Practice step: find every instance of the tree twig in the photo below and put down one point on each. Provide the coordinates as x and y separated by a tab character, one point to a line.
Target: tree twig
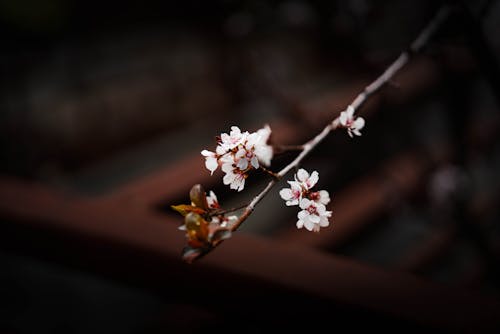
421	40
223	212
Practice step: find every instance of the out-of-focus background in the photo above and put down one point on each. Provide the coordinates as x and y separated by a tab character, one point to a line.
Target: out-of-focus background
105	107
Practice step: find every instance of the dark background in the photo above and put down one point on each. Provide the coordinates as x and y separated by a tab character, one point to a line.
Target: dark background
97	95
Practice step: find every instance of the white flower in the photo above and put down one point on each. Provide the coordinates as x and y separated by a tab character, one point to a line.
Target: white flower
263	151
238	153
307	181
353	125
293	194
211	162
321	197
313	215
224	221
234	177
212	201
244	156
255	150
233	139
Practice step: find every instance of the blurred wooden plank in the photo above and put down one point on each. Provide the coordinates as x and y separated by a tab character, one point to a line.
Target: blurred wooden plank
425	253
302	269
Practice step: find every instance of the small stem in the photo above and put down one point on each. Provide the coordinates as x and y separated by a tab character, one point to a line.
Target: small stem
279	149
270	172
369	90
219	212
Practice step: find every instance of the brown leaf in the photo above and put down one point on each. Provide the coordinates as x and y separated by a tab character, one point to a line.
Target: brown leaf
184	209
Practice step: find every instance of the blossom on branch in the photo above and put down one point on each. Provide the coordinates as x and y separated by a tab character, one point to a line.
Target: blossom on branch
313	203
238	153
353	125
234	177
205	224
293	194
313	215
306	181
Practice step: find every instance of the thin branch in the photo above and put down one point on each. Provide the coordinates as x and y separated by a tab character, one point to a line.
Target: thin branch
219	212
270	172
421	40
279	149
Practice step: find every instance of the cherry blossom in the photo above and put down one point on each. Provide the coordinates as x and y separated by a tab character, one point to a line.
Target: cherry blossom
239	152
313	215
234	177
320	197
212	201
211	161
313	203
352	125
233	139
307	181
293	194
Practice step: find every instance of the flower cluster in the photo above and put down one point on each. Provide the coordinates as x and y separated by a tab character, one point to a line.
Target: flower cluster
239	152
313	203
205	223
353	125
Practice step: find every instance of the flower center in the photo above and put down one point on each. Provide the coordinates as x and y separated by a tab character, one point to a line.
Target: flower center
314	196
312	210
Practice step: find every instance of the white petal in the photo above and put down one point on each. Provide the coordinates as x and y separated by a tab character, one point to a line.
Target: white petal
255	162
224	137
292	202
264	153
324	197
227	167
207	153
309	225
264	133
212	199
286	194
302	215
227	159
314	218
211	164
343	118
252	140
302	175
242	164
313	179
321	209
304	203
182	227
241	185
359	123
349	132
240	154
299	224
235	131
220	150
212	196
228	178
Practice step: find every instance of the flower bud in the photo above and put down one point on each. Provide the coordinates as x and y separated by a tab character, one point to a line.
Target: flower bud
196	229
198	196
